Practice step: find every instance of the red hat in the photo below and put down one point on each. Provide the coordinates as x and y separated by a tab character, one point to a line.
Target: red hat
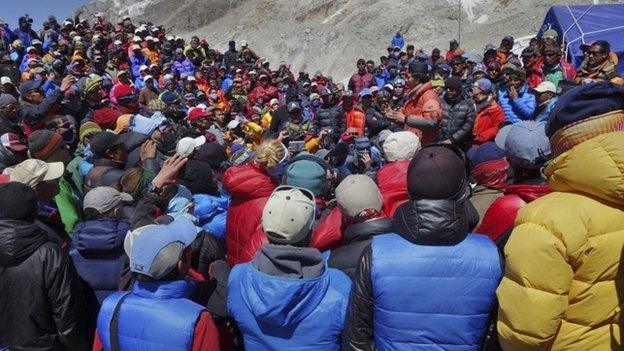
12	142
197	113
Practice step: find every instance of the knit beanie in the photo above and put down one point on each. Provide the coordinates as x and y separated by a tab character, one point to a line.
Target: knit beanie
307	174
42	143
453	82
436	172
88	128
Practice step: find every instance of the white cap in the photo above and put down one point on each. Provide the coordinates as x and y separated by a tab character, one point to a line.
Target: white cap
136	47
233	124
149	38
67	23
401	146
30	48
288	215
117	42
170	37
37	42
77	38
147	77
126	17
273	102
5	80
32	172
243	43
142	68
186	146
546	86
191	78
136	38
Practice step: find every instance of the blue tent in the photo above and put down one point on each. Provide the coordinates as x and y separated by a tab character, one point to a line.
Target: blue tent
581	24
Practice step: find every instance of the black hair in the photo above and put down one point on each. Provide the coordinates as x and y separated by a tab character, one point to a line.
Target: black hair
605	47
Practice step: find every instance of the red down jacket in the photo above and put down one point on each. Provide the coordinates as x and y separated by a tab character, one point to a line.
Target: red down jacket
392	182
501	215
250	188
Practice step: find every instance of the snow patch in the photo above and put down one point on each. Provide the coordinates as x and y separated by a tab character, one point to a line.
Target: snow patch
482	19
469	7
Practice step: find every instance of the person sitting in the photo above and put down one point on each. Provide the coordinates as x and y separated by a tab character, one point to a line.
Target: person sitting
287	298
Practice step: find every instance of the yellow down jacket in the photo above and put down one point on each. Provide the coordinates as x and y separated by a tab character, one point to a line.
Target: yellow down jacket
563	284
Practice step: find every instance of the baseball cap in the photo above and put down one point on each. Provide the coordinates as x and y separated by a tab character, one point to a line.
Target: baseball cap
36	42
546	86
30	85
509	39
117	42
293	105
489	47
143	68
187	145
32	172
136	47
358	193
314	96
288	215
233	124
5	80
104	199
550	34
197	113
155	250
104	141
525	143
365	92
484	84
13	142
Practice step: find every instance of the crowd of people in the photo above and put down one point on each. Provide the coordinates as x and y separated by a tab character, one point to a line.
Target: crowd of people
164	195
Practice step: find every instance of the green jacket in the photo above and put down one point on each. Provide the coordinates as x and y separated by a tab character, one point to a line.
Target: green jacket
68	205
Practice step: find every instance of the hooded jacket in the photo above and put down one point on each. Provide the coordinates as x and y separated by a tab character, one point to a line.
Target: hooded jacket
429	285
98	254
392	182
288	299
561	289
250	188
490	117
41	299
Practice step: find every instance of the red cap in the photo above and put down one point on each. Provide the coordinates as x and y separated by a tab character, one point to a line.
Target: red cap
12	142
197	113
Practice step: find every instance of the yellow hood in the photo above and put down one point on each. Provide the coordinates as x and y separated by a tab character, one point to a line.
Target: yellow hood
594	167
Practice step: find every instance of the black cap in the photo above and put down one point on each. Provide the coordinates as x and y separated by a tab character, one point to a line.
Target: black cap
212	153
436	172
198	178
104	141
23	200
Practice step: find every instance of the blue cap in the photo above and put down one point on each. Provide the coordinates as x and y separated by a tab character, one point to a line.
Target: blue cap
485	152
365	92
168	97
484	84
30	85
443	67
525	144
155	250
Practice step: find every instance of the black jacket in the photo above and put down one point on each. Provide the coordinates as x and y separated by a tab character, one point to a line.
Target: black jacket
356	238
424	222
32	114
333	118
457	120
42	304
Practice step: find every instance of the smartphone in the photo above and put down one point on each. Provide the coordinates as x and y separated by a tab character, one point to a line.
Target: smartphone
296	146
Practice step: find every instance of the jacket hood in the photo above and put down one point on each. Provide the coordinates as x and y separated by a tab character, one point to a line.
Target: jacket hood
280	301
594	167
365	230
18	240
432	222
99	236
528	192
247	182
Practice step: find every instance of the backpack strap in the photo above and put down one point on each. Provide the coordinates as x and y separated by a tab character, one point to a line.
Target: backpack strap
114	324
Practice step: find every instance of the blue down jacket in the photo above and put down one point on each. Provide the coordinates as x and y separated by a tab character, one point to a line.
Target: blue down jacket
211	211
520	109
276	313
98	254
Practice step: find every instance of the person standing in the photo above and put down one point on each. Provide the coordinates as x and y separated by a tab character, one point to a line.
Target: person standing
458	114
563	261
431	282
42	303
360	79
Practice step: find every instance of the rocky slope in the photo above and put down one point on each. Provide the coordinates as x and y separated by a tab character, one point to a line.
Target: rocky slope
331	34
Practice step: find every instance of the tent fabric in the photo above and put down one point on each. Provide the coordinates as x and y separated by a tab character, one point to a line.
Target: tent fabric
580	24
